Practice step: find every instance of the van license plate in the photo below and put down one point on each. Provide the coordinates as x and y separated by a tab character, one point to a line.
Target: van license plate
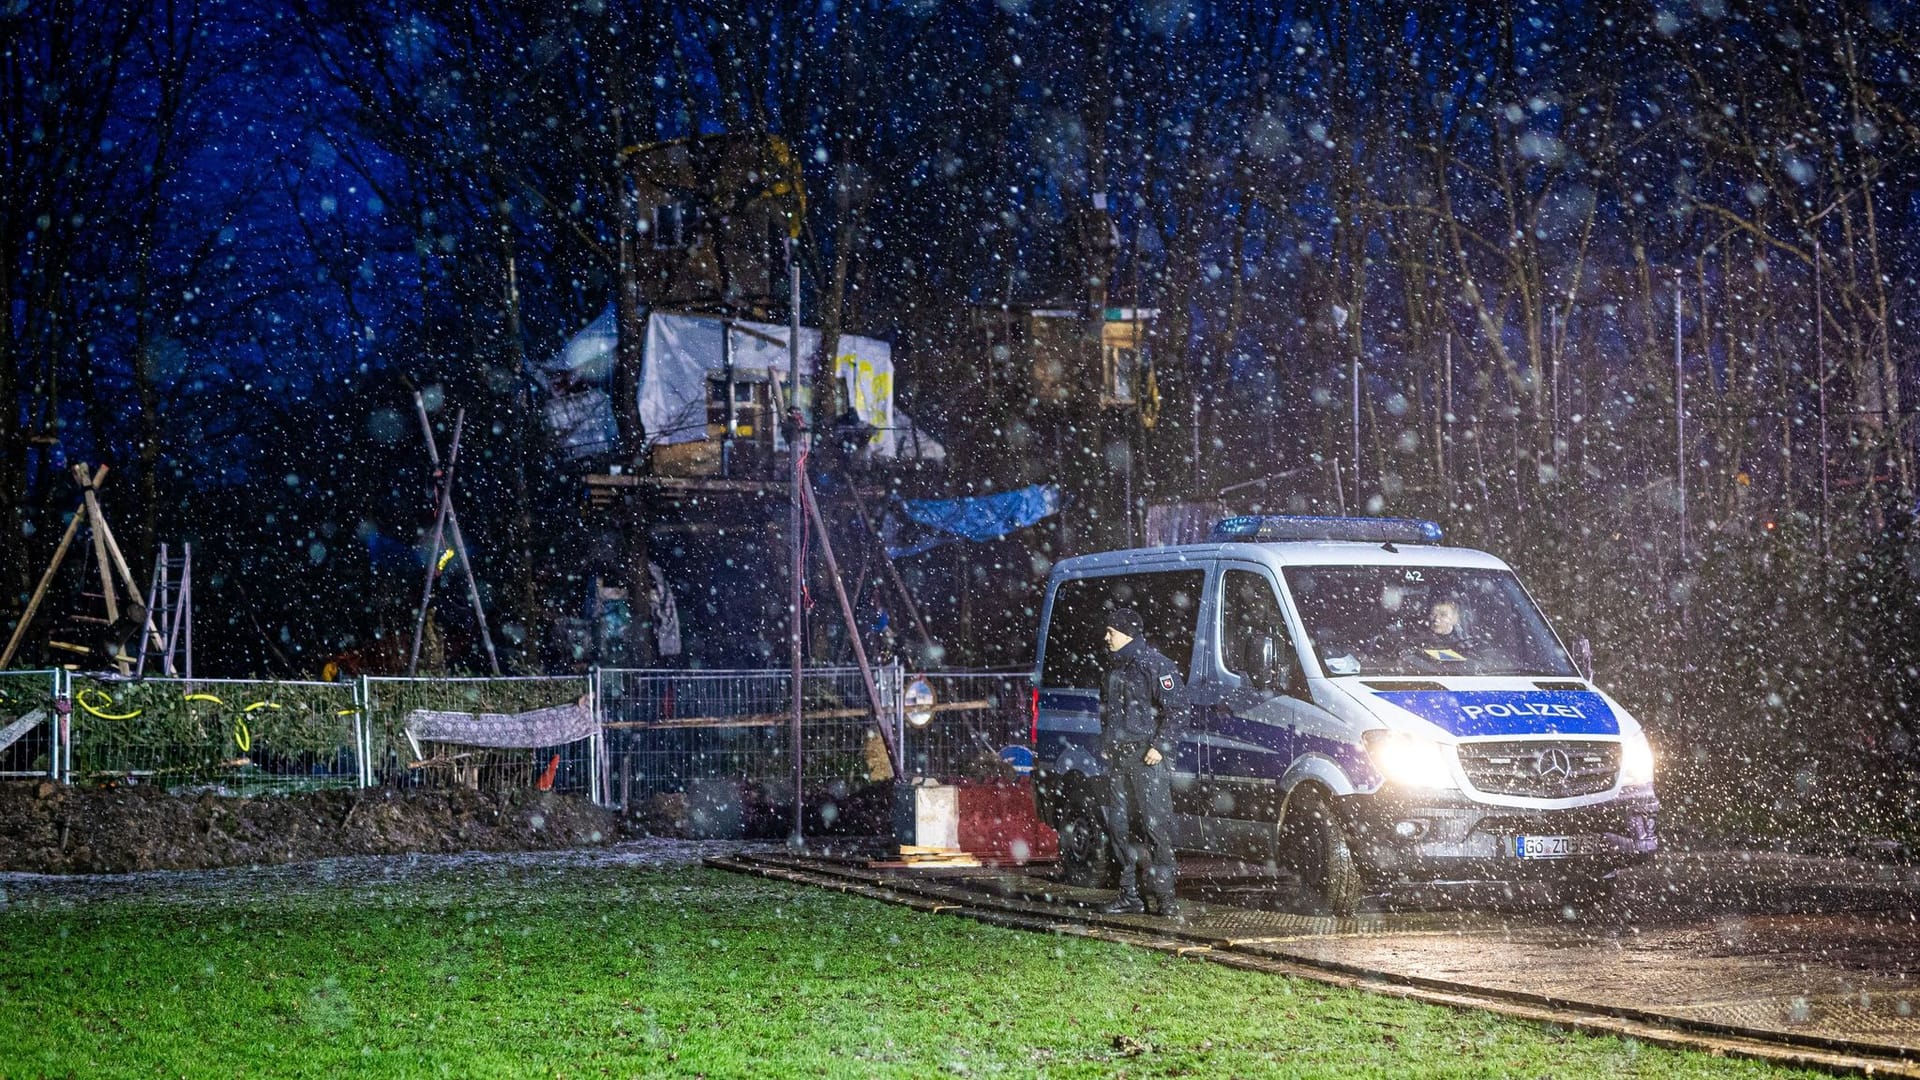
1543	847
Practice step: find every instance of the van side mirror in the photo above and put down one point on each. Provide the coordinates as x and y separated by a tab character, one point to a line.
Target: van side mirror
1583	658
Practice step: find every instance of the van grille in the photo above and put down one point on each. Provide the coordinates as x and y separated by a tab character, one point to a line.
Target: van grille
1535	769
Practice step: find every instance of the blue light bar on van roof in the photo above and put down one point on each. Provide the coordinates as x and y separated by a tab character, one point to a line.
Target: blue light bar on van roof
1259	528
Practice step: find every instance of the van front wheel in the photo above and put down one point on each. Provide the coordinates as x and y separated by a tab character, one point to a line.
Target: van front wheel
1315	845
1084	858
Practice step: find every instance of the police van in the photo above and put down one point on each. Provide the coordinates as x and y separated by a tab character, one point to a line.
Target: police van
1365	706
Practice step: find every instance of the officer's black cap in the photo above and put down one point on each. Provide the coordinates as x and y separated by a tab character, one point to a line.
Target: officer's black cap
1126	620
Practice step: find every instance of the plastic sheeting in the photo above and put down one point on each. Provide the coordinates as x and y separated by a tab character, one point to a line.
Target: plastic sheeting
586	360
579	409
583	422
681	350
979	518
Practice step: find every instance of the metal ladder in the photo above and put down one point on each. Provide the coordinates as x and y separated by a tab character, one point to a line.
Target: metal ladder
168	633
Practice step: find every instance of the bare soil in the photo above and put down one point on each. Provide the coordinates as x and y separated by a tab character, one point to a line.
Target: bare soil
52	829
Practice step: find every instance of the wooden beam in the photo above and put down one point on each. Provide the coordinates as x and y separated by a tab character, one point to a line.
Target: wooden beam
46	579
774	719
126	574
741	720
98	525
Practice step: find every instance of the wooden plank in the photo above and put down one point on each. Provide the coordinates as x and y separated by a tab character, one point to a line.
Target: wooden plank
432	763
742	720
772	719
14	731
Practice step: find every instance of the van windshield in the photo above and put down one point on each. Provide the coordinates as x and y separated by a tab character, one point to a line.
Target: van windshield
1423	620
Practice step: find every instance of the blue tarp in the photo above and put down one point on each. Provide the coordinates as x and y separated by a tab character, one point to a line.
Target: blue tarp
980	518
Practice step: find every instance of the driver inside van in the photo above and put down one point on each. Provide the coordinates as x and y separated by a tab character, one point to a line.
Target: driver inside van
1445	638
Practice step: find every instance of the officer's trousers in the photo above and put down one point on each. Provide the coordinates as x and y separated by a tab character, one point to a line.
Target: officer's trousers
1140	820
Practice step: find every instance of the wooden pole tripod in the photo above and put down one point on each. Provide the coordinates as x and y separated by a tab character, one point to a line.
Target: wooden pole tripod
106	554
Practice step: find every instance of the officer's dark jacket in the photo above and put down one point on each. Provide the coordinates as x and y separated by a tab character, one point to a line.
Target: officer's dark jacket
1142	699
1455	642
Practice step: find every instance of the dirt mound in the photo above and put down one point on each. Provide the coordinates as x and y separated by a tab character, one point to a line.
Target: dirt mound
48	828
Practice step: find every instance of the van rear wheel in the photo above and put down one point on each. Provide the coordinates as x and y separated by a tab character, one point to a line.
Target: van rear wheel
1314	842
1085	861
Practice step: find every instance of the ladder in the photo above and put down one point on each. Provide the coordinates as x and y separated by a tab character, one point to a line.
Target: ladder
168	633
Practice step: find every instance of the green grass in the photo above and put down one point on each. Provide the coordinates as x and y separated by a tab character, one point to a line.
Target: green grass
614	972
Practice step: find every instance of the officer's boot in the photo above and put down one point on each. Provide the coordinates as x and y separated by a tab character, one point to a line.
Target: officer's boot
1128	902
1161	900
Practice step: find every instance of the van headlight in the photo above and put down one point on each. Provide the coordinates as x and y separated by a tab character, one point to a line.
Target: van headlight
1409	761
1636	760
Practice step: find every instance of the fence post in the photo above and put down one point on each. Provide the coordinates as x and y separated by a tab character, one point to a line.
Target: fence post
363	729
596	787
55	721
897	691
63	727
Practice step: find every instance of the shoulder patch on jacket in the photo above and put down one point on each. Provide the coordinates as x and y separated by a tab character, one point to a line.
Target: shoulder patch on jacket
1166	682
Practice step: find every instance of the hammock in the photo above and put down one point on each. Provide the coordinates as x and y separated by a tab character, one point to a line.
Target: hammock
553	726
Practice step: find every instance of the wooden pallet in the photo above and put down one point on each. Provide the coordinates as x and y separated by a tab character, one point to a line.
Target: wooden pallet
911	855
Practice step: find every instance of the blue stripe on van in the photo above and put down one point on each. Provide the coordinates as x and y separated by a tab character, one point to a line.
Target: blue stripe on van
1509	712
1276	747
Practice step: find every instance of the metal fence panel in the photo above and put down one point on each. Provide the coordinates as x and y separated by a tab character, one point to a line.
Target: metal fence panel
30	723
975	714
668	729
237	736
388	700
659	731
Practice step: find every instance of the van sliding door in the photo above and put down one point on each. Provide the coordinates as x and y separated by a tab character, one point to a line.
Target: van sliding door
1250	721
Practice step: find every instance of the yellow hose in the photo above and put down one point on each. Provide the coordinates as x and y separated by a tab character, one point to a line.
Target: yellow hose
80	699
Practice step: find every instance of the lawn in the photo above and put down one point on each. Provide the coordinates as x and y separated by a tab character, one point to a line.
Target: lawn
616	971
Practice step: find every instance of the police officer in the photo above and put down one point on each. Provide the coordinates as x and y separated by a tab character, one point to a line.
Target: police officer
1139	701
1445	637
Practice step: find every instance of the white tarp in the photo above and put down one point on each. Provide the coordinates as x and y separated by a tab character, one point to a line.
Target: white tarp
579	408
583	422
586	360
682	349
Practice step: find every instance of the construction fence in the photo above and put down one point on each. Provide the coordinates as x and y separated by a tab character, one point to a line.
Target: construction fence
398	755
30	723
230	736
668	730
624	735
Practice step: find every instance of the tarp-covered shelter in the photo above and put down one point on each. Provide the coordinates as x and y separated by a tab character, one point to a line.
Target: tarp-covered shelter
682	358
